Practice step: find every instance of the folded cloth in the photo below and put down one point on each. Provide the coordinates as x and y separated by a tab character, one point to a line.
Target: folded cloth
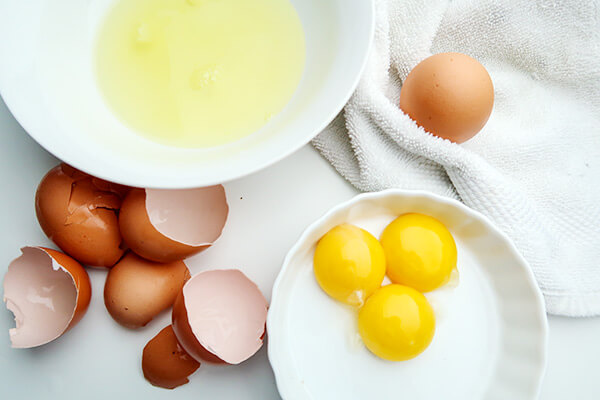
534	169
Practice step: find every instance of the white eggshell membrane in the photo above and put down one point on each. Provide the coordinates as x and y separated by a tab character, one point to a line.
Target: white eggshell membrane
42	296
194	217
227	313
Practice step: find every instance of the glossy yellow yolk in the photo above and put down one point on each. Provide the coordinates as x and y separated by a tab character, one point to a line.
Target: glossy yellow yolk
396	323
420	252
349	264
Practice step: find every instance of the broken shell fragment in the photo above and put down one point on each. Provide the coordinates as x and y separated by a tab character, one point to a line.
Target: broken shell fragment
79	213
164	362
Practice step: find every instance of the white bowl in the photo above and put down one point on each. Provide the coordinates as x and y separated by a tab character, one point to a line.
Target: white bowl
491	328
48	83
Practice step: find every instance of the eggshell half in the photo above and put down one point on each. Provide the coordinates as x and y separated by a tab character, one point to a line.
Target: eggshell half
220	316
79	213
136	290
170	225
48	292
165	363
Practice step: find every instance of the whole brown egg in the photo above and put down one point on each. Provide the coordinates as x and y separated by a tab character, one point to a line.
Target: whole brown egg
450	95
136	290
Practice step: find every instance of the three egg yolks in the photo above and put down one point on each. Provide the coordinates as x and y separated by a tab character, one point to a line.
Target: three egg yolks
418	253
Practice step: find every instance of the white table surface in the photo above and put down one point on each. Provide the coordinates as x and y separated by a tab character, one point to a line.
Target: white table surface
269	210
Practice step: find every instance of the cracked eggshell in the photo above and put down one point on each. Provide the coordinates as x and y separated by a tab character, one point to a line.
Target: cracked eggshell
136	290
219	316
48	292
165	363
170	225
79	213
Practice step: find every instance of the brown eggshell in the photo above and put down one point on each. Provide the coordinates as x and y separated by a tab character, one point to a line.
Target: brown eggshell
81	280
165	363
145	239
136	290
141	236
450	95
79	213
42	276
220	316
185	335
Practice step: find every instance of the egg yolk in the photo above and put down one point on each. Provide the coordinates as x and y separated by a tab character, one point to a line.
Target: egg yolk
396	323
349	264
420	252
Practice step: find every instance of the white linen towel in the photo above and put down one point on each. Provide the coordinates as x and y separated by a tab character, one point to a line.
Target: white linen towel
535	167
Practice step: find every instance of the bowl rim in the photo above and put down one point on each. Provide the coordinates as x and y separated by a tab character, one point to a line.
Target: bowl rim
193	181
274	346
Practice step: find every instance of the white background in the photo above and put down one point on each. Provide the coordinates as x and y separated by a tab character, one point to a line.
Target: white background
269	210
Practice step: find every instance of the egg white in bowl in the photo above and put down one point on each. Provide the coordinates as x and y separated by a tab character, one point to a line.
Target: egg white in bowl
491	328
48	82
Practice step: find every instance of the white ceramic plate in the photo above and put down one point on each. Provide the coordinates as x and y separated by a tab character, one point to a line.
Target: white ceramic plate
491	332
47	80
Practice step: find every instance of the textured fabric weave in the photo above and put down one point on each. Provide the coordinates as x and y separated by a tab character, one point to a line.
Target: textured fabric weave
534	169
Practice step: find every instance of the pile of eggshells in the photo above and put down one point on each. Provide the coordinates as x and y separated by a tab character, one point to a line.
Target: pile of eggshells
143	237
